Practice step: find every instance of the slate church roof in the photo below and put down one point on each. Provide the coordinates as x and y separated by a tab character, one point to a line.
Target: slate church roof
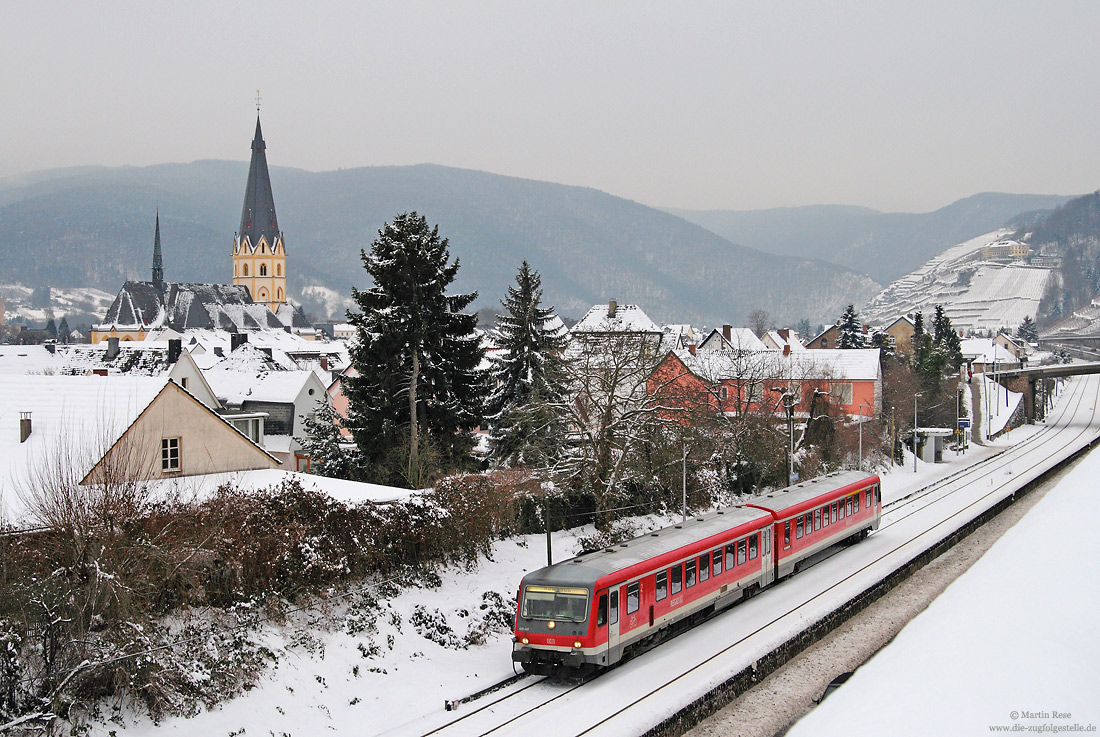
149	305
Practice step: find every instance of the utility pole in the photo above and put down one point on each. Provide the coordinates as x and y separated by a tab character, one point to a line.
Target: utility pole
918	394
685	508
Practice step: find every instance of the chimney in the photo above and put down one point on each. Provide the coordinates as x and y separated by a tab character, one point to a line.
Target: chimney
324	363
727	332
24	426
612	308
785	334
786	349
236	340
175	348
219	352
691	348
112	348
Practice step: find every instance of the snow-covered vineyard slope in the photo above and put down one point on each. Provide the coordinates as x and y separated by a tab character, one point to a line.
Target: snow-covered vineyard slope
977	295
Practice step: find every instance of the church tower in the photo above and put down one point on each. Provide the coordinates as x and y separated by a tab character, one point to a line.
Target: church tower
259	257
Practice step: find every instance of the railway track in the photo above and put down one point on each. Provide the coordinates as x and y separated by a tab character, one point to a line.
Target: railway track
518	711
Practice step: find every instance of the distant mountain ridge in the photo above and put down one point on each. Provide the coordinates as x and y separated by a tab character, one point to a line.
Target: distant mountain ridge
883	245
94	227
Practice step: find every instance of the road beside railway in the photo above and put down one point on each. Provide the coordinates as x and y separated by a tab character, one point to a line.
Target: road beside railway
773	705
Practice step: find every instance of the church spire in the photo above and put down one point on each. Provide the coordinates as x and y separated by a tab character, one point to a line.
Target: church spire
258	216
158	263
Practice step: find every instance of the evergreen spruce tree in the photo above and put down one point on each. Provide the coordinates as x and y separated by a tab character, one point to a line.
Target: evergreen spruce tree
328	451
51	328
63	330
416	357
524	408
1027	330
851	330
946	340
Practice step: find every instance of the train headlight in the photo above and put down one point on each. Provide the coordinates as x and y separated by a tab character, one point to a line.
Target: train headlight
551	624
525	641
577	644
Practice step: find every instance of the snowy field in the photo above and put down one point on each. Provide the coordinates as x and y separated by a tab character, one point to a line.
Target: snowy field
1012	643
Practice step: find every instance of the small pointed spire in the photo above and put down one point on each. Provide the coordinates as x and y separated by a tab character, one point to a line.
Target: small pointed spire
158	263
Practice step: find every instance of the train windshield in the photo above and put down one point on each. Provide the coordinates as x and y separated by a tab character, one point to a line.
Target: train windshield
552	602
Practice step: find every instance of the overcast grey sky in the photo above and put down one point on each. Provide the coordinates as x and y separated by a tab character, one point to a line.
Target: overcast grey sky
897	106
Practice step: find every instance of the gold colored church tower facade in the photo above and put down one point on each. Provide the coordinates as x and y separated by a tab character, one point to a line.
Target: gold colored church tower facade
259	255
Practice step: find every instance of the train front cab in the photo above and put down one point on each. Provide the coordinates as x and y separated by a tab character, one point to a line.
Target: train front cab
554	629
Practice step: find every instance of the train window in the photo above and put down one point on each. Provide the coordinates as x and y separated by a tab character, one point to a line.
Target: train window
869	505
848	507
817	520
716	558
798	529
809	522
677	579
690	578
878	493
767	541
633	597
754	544
741	547
825	517
704	568
601	611
787	534
662	585
855	503
729	557
614	606
553	602
834	511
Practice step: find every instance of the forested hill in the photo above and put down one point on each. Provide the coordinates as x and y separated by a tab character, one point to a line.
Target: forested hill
94	227
883	245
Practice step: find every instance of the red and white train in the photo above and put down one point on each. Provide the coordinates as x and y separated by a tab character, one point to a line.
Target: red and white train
592	610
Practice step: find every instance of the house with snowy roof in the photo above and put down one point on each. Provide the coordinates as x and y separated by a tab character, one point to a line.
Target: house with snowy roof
613	319
736	382
148	358
80	431
782	339
281	398
730	338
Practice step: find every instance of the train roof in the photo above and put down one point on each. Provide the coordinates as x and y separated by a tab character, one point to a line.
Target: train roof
587	568
786	501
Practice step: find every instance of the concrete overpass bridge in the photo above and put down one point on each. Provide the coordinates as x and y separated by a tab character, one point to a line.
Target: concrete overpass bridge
1032	382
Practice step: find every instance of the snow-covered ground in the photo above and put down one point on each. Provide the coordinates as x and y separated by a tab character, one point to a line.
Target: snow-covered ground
342	673
1010	646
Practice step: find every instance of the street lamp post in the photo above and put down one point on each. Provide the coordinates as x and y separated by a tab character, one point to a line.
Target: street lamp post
918	394
788	404
861	406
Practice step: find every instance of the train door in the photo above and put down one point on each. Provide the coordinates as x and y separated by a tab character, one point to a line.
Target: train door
767	551
613	626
